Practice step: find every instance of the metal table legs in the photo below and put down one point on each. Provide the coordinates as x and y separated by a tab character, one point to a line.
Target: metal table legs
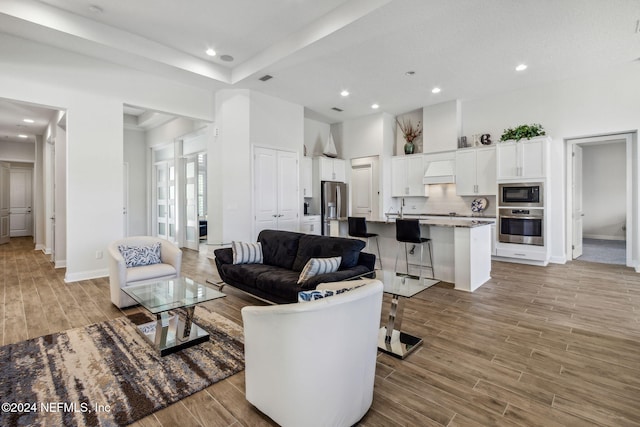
390	339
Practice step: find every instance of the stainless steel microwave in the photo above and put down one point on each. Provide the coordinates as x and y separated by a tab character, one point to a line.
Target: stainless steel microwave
530	195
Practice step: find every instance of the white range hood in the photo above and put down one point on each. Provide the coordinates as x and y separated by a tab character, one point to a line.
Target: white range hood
440	172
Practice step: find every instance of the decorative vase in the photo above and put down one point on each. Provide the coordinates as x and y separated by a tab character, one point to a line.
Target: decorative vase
408	148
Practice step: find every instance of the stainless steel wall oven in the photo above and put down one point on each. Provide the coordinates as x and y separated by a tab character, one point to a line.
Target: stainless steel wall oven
525	226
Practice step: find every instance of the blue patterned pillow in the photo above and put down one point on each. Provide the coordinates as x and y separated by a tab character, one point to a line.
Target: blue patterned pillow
135	256
305	296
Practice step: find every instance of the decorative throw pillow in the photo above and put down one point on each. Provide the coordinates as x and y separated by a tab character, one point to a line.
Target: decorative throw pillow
135	256
246	253
306	296
317	266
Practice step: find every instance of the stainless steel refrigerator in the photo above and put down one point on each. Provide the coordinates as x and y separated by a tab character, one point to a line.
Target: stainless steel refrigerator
333	203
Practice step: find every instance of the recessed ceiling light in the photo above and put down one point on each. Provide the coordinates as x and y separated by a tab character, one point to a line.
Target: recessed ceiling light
521	67
226	58
28	120
375	106
344	93
23	136
211	52
436	90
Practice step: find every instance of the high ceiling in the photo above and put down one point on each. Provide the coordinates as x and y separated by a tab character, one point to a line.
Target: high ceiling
315	49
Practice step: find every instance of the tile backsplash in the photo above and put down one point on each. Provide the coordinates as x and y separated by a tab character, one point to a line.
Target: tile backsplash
443	200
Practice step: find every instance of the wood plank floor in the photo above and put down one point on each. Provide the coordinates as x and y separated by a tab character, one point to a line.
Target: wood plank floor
555	346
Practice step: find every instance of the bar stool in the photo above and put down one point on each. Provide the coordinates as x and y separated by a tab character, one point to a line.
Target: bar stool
358	228
408	231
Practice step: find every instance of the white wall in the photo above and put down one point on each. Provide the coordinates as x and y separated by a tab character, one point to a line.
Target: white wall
414	117
245	119
92	92
135	154
442	126
372	135
17	151
604	196
276	123
39	221
60	199
316	135
591	105
169	132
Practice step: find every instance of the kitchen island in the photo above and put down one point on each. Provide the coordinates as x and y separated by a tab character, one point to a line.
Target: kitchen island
461	248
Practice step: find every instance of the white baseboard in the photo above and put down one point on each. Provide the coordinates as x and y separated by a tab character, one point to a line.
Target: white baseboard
47	251
61	263
86	275
602	237
558	259
40	247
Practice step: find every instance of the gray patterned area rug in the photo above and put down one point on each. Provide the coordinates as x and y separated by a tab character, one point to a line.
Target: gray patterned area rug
105	374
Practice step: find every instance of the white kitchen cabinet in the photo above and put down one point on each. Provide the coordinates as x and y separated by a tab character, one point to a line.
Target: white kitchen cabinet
275	195
306	166
406	176
476	172
524	159
332	169
310	224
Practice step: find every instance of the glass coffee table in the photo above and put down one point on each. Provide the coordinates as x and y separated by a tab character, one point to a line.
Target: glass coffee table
173	302
401	286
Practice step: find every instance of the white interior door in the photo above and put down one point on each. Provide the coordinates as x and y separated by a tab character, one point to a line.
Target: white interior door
265	189
165	200
191	235
578	212
288	200
20	202
5	179
362	191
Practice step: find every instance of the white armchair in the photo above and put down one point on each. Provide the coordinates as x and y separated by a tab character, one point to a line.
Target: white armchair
120	276
313	363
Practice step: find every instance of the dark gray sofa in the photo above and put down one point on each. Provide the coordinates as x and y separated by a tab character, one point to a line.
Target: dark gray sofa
285	254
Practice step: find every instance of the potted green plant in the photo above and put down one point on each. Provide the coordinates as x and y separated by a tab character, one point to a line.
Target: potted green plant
523	131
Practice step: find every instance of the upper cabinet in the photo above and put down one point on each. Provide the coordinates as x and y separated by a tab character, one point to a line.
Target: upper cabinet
307	176
406	176
476	172
331	169
522	159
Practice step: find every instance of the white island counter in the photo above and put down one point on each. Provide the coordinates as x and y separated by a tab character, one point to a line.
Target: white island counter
461	248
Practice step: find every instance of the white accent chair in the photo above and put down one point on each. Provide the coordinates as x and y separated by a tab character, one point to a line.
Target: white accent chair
313	363
120	276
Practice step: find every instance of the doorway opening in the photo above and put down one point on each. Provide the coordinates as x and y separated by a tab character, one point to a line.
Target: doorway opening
600	199
33	147
365	189
165	176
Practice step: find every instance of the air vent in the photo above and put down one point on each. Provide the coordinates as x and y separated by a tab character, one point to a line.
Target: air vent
337	109
265	78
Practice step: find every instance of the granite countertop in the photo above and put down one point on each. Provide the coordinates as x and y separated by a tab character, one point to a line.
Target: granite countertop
443	222
439	222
